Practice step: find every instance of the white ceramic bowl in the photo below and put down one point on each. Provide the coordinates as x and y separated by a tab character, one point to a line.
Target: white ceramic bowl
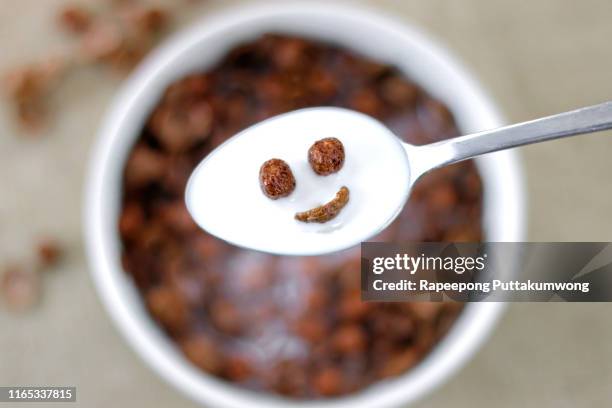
201	47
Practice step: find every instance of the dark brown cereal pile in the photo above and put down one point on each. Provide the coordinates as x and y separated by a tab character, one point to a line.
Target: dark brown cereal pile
117	34
289	325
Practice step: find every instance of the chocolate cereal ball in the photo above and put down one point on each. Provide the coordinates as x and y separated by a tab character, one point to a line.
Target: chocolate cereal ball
326	156
276	179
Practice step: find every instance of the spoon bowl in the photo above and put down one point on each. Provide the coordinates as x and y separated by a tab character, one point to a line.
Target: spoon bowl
224	197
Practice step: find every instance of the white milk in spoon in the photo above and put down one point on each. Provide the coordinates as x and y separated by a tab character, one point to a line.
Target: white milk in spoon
225	198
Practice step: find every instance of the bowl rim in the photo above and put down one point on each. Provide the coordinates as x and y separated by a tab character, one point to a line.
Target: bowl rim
466	336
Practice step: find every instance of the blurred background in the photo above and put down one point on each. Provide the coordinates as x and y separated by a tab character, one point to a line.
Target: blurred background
534	58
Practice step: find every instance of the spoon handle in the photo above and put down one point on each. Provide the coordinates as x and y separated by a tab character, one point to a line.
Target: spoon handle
580	121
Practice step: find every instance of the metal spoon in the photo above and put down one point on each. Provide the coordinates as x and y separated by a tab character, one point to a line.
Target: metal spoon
224	198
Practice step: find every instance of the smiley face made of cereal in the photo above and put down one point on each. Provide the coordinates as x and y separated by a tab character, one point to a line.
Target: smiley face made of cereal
325	156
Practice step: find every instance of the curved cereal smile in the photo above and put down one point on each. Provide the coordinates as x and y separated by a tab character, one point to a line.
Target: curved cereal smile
328	211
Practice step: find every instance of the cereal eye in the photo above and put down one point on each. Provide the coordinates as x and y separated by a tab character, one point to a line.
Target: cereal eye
326	156
276	179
